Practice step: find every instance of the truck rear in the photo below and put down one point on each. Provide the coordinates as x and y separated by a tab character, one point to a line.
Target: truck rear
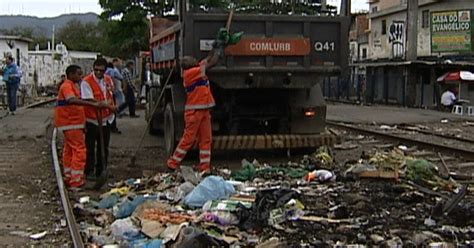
267	87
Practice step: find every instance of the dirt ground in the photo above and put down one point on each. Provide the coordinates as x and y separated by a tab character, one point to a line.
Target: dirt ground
30	200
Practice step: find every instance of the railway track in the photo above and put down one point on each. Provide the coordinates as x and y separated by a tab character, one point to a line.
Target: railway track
428	132
70	219
464	147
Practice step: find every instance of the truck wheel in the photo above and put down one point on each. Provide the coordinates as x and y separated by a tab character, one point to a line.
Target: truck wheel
148	106
169	130
154	122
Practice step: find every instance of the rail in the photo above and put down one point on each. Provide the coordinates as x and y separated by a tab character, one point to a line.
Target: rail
466	153
71	220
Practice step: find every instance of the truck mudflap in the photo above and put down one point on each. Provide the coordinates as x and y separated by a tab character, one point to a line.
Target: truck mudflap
244	142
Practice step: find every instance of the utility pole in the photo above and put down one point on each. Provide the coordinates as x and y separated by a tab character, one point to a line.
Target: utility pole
345	7
52	38
324	6
412	51
412	30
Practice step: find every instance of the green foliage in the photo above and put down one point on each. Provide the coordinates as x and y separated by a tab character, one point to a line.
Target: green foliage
57	56
419	170
125	24
293	7
81	36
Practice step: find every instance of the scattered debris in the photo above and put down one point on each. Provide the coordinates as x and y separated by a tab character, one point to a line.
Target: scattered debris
38	235
387	127
315	202
346	146
84	199
321	176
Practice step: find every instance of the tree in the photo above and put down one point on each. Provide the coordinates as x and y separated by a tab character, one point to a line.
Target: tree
81	36
125	24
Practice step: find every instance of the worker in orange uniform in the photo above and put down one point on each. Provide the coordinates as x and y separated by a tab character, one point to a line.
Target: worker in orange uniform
98	87
197	111
70	118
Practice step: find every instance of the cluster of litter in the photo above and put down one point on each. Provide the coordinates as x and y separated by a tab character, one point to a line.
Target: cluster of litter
387	198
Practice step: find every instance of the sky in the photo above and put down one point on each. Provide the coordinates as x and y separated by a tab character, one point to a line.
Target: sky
51	8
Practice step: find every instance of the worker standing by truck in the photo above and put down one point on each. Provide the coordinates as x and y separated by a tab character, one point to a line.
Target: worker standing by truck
197	111
69	117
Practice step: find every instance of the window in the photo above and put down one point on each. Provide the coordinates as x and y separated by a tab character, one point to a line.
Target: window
425	21
364	53
384	27
374	9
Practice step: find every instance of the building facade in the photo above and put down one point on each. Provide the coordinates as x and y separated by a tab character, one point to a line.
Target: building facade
444	43
359	51
45	67
17	47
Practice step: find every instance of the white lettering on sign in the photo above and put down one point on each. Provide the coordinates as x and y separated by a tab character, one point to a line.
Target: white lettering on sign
270	46
205	45
323	46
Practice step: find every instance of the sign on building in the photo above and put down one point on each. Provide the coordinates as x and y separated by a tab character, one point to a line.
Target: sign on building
396	36
451	31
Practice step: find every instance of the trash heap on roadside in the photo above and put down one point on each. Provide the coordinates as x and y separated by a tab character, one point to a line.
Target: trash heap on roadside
387	198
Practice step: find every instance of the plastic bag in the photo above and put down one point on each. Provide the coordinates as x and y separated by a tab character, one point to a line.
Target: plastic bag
109	201
211	188
183	190
126	208
124	229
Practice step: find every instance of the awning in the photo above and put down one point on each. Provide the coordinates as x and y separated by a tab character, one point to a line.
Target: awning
457	76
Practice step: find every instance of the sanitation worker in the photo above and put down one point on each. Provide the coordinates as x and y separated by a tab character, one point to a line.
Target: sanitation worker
70	119
98	87
197	111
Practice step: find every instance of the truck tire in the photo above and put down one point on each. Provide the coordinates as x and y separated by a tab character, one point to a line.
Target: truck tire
149	107
169	130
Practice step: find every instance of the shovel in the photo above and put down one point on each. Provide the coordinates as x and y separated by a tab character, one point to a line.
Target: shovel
102	179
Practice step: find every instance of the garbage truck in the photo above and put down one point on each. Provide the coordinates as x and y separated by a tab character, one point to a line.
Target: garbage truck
267	86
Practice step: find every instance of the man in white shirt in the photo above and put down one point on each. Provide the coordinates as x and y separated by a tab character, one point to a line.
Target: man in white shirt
448	98
98	87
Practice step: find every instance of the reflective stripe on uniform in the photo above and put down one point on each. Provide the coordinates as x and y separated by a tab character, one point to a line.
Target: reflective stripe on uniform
205	160
77	172
205	152
193	86
199	106
76	180
178	159
95	122
71	127
60	103
180	150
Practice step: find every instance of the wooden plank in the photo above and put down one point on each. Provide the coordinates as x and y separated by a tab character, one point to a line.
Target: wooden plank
443	169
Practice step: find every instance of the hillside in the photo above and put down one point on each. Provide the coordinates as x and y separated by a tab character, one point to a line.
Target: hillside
43	26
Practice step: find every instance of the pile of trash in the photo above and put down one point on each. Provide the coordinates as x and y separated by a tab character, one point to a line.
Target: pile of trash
308	203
